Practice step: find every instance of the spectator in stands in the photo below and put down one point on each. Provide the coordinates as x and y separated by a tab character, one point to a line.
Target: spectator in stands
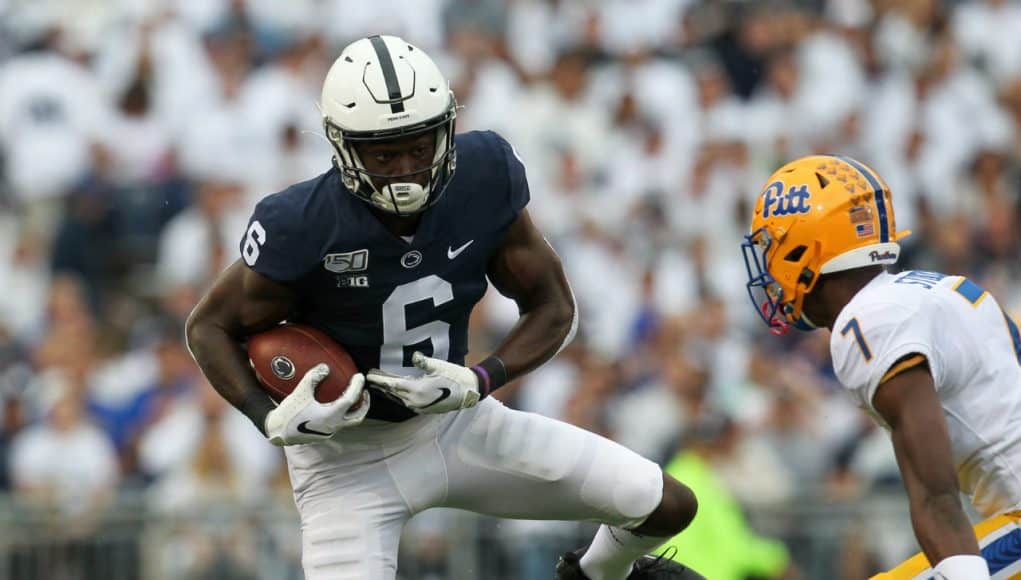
65	463
722	542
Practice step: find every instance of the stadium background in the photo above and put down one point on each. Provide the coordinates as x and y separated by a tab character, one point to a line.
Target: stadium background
136	135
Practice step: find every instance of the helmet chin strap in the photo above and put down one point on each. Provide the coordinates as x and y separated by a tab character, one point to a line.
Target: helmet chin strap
804	323
780	325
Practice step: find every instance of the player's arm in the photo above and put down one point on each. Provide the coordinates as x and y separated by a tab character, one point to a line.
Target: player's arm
526	269
240	303
243	302
907	400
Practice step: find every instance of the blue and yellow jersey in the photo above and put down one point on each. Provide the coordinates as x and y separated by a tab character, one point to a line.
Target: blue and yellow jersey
999	538
973	350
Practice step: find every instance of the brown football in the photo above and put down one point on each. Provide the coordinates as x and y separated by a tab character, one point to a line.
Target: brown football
282	355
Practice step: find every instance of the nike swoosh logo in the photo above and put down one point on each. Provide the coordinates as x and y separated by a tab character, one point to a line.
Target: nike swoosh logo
302	428
443	395
452	253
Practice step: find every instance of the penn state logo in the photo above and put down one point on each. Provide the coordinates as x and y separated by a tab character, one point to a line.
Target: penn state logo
282	367
411	259
776	203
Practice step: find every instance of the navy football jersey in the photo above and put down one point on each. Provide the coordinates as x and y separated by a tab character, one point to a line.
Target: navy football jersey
382	297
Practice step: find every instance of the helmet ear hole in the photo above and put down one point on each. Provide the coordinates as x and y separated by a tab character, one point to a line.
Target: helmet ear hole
795	254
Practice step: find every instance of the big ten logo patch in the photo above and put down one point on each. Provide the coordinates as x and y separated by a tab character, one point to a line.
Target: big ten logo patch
356	261
777	203
359	281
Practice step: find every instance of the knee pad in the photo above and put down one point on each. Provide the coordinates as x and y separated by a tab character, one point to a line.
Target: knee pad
628	485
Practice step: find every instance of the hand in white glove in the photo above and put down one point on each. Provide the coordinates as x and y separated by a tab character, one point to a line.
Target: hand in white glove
444	387
300	418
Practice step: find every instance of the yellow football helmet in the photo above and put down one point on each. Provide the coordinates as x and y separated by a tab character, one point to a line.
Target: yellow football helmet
816	215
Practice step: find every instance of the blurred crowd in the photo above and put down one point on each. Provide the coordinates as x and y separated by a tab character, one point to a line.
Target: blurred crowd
137	135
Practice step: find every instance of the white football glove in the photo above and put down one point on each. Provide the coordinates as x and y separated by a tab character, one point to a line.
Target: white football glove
963	567
444	387
300	418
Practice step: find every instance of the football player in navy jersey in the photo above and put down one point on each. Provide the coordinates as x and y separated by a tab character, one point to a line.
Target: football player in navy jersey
388	252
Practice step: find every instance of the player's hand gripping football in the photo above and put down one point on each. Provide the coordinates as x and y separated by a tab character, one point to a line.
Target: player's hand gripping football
300	418
444	387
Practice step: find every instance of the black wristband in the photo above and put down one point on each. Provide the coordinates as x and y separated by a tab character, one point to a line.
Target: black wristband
492	375
256	406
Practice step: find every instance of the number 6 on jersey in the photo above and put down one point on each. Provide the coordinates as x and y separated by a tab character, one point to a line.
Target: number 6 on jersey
255	237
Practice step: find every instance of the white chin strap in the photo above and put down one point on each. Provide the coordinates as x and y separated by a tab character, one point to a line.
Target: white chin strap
400	197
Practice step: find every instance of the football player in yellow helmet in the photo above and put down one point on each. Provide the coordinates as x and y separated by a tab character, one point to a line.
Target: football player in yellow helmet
932	357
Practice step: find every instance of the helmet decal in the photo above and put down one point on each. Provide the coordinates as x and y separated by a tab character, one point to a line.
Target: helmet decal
777	203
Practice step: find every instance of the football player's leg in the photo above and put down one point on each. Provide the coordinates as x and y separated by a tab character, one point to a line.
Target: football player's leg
341	541
998	537
351	520
520	465
351	535
613	547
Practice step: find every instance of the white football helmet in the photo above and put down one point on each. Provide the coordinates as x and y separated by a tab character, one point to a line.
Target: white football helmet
382	88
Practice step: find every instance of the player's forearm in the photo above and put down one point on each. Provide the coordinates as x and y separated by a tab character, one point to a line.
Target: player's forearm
911	407
939	521
538	335
941	526
225	364
527	270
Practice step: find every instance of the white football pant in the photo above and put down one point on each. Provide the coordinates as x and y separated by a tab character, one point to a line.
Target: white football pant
356	492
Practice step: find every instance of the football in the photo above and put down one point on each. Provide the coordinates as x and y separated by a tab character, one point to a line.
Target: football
282	355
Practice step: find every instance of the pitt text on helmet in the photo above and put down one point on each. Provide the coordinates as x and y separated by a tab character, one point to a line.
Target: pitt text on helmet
777	203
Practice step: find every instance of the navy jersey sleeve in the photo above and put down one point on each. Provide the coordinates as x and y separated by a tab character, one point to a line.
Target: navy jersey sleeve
273	245
517	182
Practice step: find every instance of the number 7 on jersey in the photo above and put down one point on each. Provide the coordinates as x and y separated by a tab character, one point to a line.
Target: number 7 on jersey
853	326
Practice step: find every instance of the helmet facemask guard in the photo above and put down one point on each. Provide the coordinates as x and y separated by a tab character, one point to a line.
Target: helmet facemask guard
780	304
399	197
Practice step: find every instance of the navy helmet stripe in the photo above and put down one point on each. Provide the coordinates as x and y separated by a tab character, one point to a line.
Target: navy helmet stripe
877	188
386	64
